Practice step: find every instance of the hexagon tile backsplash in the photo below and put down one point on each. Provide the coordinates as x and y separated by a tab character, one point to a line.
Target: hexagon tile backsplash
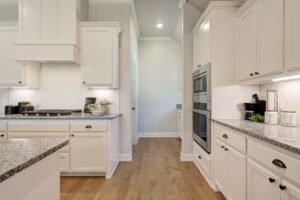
288	95
61	88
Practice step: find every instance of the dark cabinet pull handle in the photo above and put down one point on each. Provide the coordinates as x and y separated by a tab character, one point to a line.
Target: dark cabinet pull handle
225	136
256	73
282	187
279	163
20	82
272	180
72	135
226	149
251	74
222	147
83	82
88	126
2	135
199	157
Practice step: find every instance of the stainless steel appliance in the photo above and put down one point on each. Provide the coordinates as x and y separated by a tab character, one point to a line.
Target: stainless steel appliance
202	107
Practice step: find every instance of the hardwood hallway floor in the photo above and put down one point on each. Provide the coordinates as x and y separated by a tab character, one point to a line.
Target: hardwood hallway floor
156	173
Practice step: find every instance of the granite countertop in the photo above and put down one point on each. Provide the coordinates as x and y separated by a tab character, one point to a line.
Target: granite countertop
84	116
284	137
19	154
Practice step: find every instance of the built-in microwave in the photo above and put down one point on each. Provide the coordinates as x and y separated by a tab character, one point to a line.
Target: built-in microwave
202	108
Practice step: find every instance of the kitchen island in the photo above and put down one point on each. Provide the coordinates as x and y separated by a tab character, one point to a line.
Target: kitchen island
29	169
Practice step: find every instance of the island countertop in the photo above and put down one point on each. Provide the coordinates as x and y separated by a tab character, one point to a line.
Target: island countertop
284	137
19	154
84	116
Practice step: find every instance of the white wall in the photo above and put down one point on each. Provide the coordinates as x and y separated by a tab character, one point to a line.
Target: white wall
190	17
158	86
288	95
8	10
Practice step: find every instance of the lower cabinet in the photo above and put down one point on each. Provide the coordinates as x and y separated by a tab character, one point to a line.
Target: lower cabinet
88	152
64	162
230	171
262	183
289	191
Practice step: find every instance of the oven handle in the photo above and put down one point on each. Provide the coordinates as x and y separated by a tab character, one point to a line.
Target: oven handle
203	112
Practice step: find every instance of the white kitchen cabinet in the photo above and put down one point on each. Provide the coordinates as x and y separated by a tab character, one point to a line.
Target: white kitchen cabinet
64	162
292	34
289	191
100	46
202	160
13	74
196	49
246	43
259	39
270	36
3	133
262	183
220	166
88	152
179	123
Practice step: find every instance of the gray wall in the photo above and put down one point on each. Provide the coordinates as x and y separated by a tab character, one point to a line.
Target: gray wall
158	86
122	14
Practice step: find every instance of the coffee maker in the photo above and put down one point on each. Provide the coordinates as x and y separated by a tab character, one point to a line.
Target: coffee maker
258	107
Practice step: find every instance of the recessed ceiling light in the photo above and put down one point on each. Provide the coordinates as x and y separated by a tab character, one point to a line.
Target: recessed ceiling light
159	25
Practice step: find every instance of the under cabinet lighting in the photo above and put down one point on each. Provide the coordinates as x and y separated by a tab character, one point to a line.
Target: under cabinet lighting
286	78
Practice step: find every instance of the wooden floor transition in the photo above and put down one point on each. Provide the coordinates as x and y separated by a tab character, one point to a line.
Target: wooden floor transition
156	173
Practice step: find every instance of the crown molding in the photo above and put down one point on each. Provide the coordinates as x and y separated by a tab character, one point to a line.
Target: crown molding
135	20
110	2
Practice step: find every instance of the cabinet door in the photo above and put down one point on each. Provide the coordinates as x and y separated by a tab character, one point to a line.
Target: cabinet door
262	184
246	43
270	36
292	34
64	162
99	57
236	175
220	163
88	152
11	72
290	192
205	43
196	49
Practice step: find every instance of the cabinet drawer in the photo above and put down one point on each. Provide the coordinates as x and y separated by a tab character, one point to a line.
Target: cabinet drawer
38	126
268	157
202	159
229	137
2	126
89	126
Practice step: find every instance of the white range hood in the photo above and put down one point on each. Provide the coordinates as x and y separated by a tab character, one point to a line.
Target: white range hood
49	30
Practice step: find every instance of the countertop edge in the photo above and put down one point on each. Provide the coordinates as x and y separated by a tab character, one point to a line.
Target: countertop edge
265	139
31	162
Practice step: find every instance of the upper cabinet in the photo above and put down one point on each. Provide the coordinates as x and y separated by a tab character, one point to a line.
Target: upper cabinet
292	34
14	74
100	47
49	30
260	39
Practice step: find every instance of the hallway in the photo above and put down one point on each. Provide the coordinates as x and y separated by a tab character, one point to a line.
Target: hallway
156	172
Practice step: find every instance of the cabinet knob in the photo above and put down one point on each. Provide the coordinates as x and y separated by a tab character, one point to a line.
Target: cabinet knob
20	82
272	180
222	147
256	73
199	157
282	187
225	136
226	149
88	126
279	163
83	82
2	135
72	135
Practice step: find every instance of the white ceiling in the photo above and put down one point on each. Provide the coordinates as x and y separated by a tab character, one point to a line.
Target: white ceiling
151	12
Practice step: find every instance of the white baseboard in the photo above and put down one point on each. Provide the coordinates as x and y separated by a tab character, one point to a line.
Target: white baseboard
184	157
158	135
125	157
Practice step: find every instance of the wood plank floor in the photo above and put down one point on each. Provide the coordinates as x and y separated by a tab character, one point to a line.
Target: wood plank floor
156	173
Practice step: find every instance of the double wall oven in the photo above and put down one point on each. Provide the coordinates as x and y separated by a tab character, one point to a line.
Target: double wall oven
202	107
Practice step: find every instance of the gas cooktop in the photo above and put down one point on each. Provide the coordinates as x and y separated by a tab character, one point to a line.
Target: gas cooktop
51	112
